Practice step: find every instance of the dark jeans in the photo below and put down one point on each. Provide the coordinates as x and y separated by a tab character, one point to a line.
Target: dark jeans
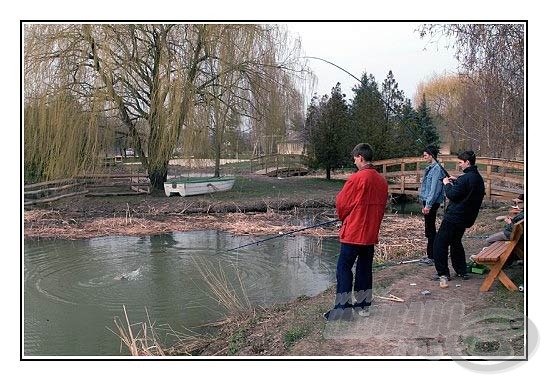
430	228
449	236
363	284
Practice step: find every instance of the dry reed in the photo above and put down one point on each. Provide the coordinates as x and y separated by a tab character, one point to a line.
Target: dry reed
144	342
400	237
222	289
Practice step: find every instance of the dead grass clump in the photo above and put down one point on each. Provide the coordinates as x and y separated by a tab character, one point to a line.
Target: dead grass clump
144	342
230	296
96	227
400	237
189	343
257	224
40	214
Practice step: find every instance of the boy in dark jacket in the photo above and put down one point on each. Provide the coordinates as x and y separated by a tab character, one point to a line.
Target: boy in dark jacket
465	195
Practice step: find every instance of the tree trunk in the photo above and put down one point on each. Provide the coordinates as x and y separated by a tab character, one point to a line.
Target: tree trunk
217	160
158	177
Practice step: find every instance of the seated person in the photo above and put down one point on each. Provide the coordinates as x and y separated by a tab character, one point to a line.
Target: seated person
504	235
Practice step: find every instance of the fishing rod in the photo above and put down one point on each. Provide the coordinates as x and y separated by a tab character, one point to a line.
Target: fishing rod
281	235
390	109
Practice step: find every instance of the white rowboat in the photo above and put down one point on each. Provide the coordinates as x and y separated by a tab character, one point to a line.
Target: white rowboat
198	185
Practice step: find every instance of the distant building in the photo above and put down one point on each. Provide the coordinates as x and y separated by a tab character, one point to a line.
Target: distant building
291	148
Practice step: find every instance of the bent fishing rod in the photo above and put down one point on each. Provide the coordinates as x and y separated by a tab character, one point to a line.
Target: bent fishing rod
284	234
418	139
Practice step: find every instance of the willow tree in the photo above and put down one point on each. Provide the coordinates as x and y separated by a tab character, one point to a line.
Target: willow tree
491	58
155	73
63	132
444	96
256	92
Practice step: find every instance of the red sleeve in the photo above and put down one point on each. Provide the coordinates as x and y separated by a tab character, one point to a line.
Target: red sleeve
346	199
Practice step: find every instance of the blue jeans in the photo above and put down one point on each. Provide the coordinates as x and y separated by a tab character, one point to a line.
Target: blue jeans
363	285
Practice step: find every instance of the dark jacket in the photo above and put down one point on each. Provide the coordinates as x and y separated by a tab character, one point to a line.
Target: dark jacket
465	197
509	227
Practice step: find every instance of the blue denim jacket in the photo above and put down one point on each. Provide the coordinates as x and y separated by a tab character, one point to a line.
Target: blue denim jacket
432	187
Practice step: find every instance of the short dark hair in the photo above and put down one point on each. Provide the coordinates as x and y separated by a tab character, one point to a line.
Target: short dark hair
432	150
468	156
364	150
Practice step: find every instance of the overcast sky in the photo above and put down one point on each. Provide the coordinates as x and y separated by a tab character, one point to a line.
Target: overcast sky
374	47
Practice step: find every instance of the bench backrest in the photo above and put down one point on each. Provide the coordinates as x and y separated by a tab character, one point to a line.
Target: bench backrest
517	231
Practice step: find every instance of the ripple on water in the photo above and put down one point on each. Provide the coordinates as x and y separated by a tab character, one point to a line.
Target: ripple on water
85	283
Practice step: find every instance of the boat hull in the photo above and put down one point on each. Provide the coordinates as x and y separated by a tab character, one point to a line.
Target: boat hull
197	186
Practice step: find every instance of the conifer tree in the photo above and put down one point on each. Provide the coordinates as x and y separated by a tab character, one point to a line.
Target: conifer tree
328	131
368	115
407	134
426	127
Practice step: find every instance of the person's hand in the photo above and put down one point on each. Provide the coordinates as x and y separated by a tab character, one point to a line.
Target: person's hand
508	220
425	210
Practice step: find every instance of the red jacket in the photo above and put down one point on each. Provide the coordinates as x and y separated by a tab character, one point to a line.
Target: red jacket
360	206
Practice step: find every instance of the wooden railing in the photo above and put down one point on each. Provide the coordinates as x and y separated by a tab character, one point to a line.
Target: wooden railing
116	185
279	165
49	191
504	179
90	185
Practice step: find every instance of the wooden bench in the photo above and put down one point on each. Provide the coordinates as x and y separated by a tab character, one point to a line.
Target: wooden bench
496	255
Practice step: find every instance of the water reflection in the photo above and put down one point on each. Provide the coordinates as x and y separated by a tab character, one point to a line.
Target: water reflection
73	289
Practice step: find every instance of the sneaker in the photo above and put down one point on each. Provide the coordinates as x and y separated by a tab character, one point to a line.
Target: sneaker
463	276
437	277
364	312
426	261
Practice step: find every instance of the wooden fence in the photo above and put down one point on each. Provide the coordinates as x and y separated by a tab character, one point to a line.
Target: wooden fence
89	185
504	179
49	191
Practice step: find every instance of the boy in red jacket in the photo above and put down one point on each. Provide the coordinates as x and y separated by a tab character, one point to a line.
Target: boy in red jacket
360	206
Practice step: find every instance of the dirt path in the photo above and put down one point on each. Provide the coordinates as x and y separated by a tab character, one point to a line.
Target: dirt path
456	321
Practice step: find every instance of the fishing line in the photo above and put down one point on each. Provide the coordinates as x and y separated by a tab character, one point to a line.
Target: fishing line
284	234
418	139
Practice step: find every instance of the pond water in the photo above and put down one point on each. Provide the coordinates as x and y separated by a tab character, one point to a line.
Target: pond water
74	289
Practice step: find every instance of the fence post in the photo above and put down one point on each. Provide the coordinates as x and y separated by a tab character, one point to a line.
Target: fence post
488	182
402	178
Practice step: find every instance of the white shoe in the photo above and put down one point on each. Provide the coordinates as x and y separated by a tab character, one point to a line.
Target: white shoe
364	312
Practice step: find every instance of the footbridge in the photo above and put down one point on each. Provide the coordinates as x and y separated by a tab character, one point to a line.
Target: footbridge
504	179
